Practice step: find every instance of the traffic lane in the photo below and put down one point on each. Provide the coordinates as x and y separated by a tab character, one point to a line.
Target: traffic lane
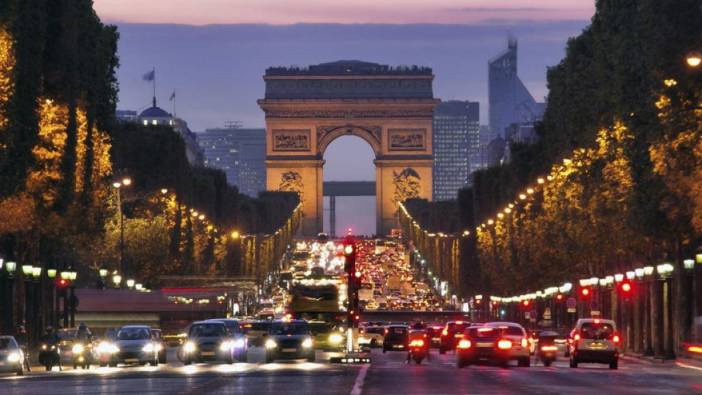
390	374
174	378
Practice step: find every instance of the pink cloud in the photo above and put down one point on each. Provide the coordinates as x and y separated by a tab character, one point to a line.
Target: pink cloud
199	12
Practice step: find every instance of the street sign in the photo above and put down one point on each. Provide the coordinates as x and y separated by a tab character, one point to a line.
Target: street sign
571	303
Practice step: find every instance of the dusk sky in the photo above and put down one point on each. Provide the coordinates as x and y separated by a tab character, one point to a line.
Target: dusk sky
214	53
200	12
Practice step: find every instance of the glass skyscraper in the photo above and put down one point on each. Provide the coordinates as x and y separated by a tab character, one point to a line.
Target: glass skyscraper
510	101
456	143
240	153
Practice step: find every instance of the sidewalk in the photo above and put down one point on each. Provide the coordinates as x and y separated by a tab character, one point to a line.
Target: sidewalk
685	361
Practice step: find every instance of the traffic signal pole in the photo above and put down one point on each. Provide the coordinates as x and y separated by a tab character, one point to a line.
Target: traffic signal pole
352	293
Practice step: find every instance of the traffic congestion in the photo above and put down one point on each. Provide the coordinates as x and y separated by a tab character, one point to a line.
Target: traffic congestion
304	319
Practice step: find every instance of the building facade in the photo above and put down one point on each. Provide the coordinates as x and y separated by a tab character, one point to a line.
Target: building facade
457	152
240	153
510	101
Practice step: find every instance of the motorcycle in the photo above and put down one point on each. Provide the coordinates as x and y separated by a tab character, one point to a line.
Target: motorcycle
50	355
82	355
418	350
547	349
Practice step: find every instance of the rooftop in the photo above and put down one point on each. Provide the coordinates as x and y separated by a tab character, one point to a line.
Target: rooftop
348	67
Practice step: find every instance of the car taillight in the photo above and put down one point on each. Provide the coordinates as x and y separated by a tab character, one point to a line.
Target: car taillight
576	337
386	332
616	339
504	344
459	334
524	343
464	344
549	348
444	332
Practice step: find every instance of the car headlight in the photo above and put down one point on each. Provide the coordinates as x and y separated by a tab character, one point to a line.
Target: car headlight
149	347
239	343
189	347
14	357
271	344
158	347
307	343
335	338
44	347
78	348
226	345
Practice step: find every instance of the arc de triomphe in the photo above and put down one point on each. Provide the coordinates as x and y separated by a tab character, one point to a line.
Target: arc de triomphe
390	108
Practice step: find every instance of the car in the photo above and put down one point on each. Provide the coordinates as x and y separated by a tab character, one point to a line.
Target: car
208	341
290	339
451	334
371	336
594	340
241	342
134	344
256	331
434	333
396	338
498	342
11	356
327	336
160	345
74	351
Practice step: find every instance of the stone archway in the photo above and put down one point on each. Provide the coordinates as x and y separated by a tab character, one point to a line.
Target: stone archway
391	109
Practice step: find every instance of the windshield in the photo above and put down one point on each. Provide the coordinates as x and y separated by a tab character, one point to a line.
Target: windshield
133	334
6	344
208	330
260	326
591	330
488	332
290	329
376	329
320	327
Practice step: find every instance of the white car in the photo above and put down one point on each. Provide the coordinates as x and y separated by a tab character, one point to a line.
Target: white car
594	340
371	336
11	356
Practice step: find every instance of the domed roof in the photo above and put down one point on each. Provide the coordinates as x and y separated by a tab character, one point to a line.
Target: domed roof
154	112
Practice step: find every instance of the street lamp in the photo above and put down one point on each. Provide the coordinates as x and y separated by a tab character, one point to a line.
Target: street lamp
36	272
130	283
116	279
11	267
648	270
694	59
51	273
689	264
125	182
27	270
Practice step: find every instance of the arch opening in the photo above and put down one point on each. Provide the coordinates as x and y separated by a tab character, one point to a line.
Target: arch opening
349	169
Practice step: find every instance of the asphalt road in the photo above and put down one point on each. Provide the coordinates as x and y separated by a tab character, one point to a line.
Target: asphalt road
388	374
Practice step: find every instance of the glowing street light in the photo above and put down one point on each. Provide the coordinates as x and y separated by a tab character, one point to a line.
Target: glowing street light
235	235
116	279
130	283
694	59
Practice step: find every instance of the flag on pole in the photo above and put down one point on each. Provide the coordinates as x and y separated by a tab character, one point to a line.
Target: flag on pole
173	96
150	76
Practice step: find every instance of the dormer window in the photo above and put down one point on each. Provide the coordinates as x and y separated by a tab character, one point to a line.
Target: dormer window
146	123
154	122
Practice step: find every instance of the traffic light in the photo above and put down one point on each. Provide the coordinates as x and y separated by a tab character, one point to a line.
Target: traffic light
585	292
626	289
354	279
525	303
62	283
559	297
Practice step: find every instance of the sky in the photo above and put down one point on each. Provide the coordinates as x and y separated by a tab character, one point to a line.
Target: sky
213	54
201	12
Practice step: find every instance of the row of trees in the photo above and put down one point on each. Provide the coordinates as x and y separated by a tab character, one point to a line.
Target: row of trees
624	109
61	149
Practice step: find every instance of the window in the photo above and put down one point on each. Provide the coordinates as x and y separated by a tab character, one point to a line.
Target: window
154	122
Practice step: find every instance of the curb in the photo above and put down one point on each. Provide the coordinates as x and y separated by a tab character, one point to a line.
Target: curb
644	359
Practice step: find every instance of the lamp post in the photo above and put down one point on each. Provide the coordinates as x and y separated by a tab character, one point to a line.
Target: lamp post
118	185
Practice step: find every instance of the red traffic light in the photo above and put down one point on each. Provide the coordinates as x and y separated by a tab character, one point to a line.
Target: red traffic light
559	297
62	283
585	292
626	287
525	303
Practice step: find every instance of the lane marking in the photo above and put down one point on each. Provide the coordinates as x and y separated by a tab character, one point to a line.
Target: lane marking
358	384
684	365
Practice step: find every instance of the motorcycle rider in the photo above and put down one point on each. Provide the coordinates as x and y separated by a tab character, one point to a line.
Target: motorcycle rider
83	333
50	337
